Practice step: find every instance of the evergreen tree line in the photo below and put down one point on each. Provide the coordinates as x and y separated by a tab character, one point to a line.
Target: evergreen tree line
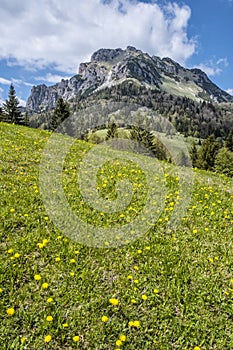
189	117
213	155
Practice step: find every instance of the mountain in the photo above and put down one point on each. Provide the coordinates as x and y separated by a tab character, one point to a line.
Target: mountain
111	68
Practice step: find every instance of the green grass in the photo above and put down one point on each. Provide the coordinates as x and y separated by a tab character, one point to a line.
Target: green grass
186	273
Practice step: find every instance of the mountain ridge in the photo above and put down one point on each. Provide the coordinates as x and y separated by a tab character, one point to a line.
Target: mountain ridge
111	67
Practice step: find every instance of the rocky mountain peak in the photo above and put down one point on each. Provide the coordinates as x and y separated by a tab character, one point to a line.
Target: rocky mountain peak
106	55
110	67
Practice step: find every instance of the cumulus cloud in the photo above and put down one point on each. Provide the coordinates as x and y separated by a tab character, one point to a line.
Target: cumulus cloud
1	98
64	33
5	81
22	102
52	78
213	67
14	81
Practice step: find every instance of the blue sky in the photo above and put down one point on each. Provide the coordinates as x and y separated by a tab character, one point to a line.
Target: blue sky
45	40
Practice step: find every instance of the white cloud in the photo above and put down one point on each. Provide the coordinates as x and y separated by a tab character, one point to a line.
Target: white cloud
213	67
14	81
5	81
1	99
22	102
52	78
65	33
230	91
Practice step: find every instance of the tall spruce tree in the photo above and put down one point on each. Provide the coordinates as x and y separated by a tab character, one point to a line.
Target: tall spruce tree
208	153
60	113
229	141
1	115
112	131
11	108
224	162
194	154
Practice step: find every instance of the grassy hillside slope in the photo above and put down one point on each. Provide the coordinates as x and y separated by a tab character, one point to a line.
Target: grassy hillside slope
167	290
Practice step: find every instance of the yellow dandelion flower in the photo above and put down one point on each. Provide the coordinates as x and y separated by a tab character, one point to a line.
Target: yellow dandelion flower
119	342
49	318
17	255
133	301
57	258
134	324
136	281
12	210
122	337
47	338
10	311
197	348
72	261
114	301
139	251
136	267
37	277
1	290
130	277
45	285
49	300
22	340
65	325
76	338
10	251
40	245
144	297
104	319
156	291
71	273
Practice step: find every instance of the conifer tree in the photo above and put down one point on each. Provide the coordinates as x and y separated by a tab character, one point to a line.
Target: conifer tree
146	139
112	131
207	153
11	108
193	154
60	113
229	141
2	118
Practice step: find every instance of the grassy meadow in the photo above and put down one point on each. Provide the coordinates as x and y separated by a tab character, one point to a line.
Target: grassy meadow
169	289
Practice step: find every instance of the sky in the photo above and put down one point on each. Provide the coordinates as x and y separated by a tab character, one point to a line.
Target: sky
43	41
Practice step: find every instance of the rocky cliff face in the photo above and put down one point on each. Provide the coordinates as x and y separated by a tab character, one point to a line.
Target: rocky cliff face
109	67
